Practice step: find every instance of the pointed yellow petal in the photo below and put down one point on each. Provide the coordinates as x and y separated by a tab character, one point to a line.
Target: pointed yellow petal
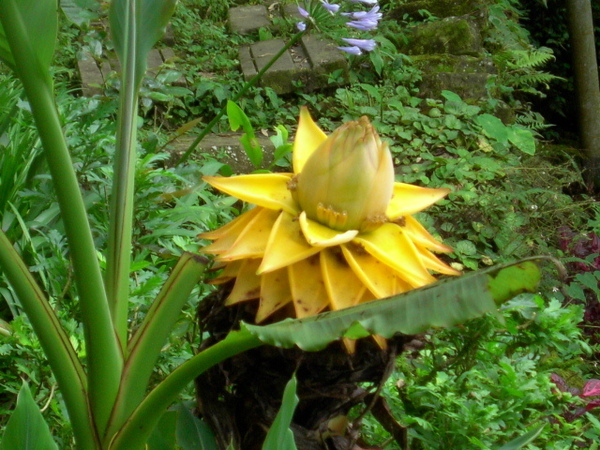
433	263
274	293
308	288
376	276
350	345
269	190
308	137
233	227
322	236
390	245
380	341
401	285
286	245
228	234
229	272
252	241
247	283
367	297
409	199
343	287
420	236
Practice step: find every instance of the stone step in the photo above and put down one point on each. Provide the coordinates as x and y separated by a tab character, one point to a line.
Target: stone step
226	148
95	73
308	64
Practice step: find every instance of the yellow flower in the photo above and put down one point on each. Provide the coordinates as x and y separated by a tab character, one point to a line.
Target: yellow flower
336	232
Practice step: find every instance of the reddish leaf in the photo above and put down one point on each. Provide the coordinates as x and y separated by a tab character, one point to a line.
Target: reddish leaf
591	388
559	381
593	404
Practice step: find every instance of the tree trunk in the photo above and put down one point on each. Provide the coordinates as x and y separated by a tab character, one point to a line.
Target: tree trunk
585	68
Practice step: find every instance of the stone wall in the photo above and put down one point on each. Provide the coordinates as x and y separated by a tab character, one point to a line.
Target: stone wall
449	48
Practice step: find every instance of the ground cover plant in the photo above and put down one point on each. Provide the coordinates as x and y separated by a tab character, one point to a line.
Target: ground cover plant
502	200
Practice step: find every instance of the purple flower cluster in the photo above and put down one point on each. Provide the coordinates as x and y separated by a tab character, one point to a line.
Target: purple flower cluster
364	20
359	20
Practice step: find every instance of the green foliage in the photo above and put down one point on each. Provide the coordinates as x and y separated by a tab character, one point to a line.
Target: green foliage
280	435
179	428
475	294
482	385
26	428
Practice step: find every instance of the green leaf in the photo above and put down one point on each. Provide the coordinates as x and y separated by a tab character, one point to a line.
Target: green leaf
514	280
80	12
493	127
38	26
280	435
146	343
465	248
5	53
163	435
281	137
252	149
522	139
238	118
442	304
452	97
148	18
519	442
26	429
193	433
179	428
5	328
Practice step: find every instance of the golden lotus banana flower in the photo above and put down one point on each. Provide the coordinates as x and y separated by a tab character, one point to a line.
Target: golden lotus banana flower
337	232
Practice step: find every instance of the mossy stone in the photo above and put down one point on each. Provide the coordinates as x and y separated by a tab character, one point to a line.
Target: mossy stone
453	35
438	8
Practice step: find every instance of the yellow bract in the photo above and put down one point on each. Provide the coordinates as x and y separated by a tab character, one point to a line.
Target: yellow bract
346	238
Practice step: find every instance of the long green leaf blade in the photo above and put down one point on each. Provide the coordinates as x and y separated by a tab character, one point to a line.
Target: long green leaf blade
193	433
280	435
147	342
151	19
136	25
53	338
443	304
28	25
521	441
26	428
39	22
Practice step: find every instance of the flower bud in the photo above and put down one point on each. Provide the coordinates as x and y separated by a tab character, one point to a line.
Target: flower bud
347	183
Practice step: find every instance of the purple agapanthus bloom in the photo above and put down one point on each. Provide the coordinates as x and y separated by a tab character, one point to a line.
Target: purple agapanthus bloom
303	12
331	7
354	50
364	44
373	14
301	26
365	20
363	25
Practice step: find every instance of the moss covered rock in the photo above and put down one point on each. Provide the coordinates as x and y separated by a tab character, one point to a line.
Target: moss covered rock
438	8
453	35
465	75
